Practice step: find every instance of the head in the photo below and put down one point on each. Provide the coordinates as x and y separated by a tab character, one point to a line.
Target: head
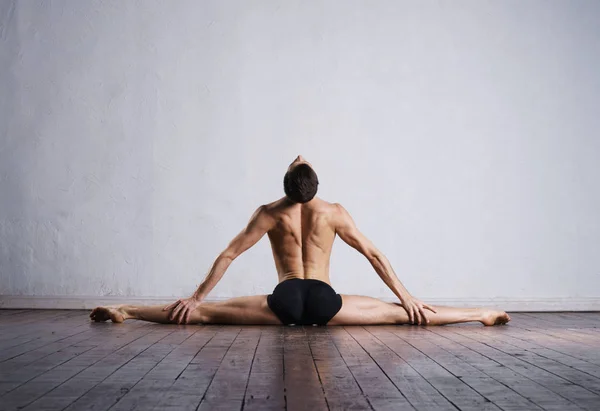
300	182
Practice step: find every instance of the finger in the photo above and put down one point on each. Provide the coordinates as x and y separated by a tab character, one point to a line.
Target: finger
181	311
187	318
430	308
418	316
170	306
174	312
425	319
181	315
410	314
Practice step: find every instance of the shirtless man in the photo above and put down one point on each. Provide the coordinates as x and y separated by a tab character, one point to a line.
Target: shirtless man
301	228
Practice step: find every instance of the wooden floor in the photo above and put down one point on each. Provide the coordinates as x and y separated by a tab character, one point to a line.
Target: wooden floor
54	360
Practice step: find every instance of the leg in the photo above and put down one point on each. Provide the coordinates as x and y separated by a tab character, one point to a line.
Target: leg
241	310
359	310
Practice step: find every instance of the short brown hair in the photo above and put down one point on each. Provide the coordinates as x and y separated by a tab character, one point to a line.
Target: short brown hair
300	183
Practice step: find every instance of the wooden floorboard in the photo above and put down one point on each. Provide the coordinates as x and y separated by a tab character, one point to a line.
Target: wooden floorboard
379	390
460	394
340	386
265	389
302	385
189	387
534	392
417	390
570	393
59	360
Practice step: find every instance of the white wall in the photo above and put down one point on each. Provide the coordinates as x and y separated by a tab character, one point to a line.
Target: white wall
136	139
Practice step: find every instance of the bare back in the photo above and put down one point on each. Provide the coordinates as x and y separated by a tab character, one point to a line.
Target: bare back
301	238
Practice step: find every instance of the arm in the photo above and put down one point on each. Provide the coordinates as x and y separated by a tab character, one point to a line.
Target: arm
349	233
258	226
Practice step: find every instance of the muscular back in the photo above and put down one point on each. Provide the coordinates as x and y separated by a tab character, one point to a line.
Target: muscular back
301	237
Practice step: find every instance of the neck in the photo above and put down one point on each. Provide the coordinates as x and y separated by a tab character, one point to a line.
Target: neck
289	202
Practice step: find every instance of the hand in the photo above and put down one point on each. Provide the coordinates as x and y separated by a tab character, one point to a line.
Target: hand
182	309
416	310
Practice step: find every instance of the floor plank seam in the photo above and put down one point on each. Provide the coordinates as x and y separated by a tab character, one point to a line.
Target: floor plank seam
213	376
517	372
353	376
543	369
316	368
379	366
417	371
459	377
250	371
59	360
47	392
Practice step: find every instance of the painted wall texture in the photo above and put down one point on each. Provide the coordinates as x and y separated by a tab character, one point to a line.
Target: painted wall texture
137	138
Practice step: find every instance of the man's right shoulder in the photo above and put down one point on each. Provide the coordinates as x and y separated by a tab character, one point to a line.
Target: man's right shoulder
272	209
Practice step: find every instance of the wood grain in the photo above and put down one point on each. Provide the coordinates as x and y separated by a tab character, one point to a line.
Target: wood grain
59	360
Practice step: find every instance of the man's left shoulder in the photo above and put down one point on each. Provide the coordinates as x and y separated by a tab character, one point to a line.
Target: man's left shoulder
332	210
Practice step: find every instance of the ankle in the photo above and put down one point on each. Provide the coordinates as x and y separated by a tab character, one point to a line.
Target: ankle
486	315
128	311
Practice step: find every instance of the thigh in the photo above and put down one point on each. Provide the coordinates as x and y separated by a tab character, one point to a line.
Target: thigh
361	310
239	310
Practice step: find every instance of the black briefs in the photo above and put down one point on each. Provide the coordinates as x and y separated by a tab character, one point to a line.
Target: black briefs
304	302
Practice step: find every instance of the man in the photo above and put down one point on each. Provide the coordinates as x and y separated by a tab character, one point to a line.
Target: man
301	229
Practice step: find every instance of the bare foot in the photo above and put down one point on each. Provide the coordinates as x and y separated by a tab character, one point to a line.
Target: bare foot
113	313
495	318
